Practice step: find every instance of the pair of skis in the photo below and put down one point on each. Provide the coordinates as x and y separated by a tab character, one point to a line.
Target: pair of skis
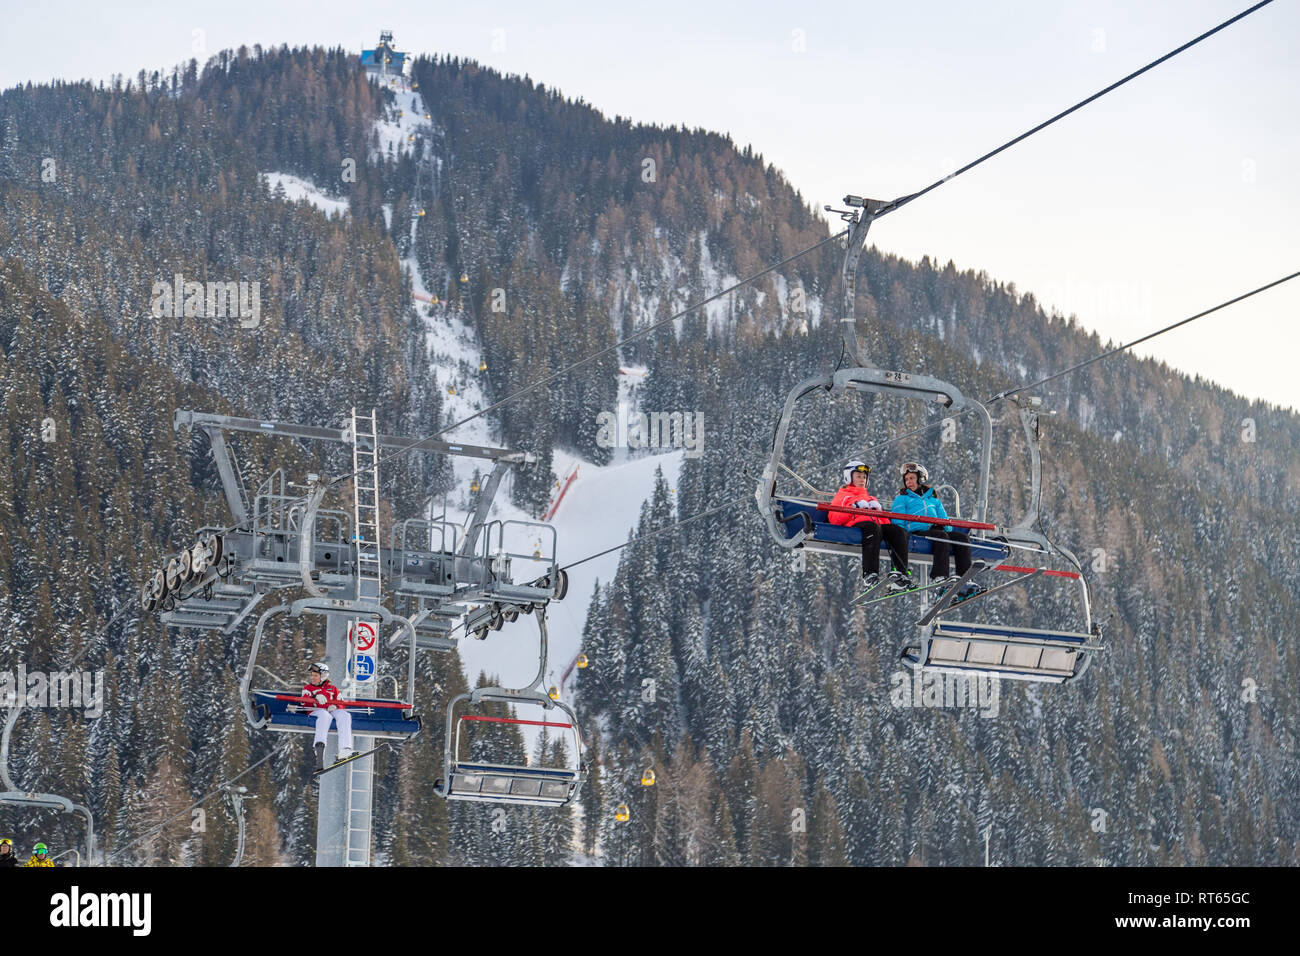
865	597
346	760
951	596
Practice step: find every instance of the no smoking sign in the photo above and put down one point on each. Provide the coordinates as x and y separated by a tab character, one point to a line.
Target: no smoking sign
364	635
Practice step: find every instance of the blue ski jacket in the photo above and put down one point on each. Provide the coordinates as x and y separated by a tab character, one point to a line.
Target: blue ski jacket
926	503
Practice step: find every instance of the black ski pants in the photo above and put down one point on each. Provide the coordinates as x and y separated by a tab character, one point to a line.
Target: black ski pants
960	543
894	536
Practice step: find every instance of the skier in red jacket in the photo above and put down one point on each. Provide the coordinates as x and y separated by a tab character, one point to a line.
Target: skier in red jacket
326	695
854	495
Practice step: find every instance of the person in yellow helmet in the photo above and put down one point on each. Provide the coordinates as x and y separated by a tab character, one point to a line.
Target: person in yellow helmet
40	856
7	858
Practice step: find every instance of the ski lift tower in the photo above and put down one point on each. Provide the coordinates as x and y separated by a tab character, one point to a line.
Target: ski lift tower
441	577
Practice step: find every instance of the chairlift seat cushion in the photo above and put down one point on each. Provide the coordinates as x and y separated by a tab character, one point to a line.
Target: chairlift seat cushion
385	721
508	784
823	530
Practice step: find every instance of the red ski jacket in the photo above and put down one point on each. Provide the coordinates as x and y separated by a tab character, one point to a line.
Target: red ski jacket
847	497
328	690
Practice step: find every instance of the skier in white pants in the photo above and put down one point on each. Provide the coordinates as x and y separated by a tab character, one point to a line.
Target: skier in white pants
326	695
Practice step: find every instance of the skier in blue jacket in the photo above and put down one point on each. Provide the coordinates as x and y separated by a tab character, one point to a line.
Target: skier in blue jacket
917	498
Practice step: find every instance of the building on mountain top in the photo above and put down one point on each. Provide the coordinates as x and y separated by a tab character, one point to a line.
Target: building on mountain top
384	60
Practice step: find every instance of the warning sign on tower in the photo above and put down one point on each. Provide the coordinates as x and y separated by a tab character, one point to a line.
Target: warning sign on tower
363	639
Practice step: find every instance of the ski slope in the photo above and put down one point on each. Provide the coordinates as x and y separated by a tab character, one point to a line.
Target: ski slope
600	508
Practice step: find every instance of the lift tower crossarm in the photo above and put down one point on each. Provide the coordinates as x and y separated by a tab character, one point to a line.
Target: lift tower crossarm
316	433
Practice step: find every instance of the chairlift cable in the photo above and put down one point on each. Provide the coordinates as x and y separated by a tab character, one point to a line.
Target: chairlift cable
1096	358
1152	335
904	200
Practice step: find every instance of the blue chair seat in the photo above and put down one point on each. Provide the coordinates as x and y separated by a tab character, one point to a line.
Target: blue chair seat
378	722
823	530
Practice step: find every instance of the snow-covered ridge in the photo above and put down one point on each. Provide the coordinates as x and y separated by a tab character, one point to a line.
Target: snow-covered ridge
297	189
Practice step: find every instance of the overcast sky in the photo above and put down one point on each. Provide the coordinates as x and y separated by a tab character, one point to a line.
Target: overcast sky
1162	199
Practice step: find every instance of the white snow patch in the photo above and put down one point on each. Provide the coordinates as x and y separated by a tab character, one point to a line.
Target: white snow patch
400	122
297	189
599	511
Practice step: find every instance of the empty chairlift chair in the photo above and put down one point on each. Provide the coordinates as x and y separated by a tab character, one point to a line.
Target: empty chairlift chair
473	778
490	782
1007	650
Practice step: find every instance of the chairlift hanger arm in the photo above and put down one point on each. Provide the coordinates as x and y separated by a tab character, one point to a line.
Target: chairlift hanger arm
474	521
859	223
317	433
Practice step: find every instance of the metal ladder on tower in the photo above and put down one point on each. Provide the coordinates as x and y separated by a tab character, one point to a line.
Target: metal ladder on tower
361	789
365	506
366	532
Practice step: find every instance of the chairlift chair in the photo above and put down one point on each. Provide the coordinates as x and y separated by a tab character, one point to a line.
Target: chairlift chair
945	645
802	523
10	795
1049	655
492	782
279	709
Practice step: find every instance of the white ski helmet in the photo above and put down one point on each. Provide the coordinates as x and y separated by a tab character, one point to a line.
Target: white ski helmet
322	667
855	466
910	466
